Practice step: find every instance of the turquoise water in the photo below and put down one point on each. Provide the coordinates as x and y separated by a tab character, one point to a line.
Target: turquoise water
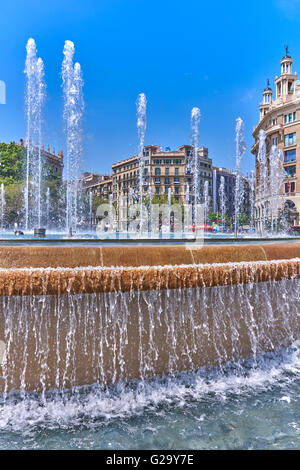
254	404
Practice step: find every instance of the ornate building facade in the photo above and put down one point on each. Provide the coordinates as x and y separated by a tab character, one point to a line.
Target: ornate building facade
280	119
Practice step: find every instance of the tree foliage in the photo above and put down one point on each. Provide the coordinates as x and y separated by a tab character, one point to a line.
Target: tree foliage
12	163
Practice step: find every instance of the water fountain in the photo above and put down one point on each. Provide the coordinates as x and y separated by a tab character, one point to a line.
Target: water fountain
137	332
206	203
252	198
34	99
2	206
73	109
117	318
141	126
169	210
276	181
194	164
48	223
111	212
222	199
239	185
263	177
150	197
91	208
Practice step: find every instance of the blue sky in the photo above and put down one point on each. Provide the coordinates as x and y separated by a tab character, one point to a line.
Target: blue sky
214	55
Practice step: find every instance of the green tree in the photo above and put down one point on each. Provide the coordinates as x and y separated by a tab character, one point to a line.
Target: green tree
12	163
243	219
214	216
14	203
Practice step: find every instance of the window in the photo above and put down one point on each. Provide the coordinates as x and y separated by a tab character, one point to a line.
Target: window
176	171
157	190
177	190
166	189
291	117
157	171
290	156
289	187
167	171
290	170
167	180
176	180
145	171
290	139
157	180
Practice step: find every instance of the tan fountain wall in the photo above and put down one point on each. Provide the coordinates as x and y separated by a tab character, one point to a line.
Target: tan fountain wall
102	269
78	315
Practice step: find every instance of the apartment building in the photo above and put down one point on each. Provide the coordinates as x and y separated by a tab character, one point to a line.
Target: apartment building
162	170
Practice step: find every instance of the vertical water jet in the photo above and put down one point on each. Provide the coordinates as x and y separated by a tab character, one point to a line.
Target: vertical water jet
73	112
239	186
34	100
141	127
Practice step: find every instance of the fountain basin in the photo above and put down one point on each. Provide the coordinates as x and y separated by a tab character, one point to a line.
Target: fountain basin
72	316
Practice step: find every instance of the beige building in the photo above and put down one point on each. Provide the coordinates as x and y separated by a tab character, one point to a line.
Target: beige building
98	184
280	118
162	170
